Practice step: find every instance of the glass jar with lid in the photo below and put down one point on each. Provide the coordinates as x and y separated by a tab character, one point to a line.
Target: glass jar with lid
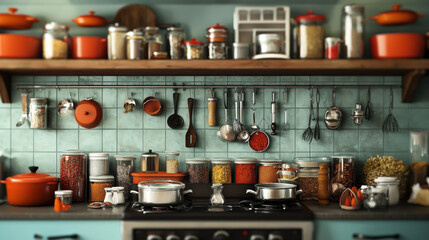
197	170
343	176
310	35
64	195
116	42
288	171
217	36
268	170
308	175
98	183
221	170
353	23
245	170
153	41
73	174
38	114
56	41
172	161
150	162
194	49
98	164
124	168
175	39
135	44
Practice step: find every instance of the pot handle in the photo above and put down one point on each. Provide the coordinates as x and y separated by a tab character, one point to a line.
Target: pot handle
3	181
32	19
298	192
187	191
52	183
250	191
134	192
373	17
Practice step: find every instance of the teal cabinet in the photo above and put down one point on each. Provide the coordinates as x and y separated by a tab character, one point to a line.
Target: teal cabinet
344	229
85	229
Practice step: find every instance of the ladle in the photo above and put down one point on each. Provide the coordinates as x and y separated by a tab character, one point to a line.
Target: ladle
225	132
243	135
333	115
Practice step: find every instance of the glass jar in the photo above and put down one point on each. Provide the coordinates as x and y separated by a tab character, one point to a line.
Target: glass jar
124	168
332	48
245	170
197	170
98	164
289	171
73	174
217	36
393	184
353	22
310	35
175	39
150	162
221	170
378	198
308	175
116	42
38	115
118	197
153	41
419	149
98	183
135	45
172	161
64	195
267	170
194	49
56	41
343	175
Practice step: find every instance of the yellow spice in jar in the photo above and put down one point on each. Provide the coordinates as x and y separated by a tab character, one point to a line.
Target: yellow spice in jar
221	173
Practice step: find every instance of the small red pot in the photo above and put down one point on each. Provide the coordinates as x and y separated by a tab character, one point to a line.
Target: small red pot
19	46
88	113
84	47
397	45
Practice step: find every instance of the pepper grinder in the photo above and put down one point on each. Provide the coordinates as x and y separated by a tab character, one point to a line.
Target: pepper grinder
217	197
323	190
273	116
212	110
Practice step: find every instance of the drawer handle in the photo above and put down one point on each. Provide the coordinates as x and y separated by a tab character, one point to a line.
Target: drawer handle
362	236
72	236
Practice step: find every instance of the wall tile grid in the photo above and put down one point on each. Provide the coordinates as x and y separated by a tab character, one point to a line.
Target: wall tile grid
137	132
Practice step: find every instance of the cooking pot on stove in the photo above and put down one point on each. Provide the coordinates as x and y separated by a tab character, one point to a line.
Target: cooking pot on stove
274	191
161	192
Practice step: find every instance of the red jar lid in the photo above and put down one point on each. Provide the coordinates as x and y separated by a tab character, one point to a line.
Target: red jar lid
310	17
193	41
217	27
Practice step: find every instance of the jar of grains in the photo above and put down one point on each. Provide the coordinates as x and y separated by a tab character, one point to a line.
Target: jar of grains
98	183
116	43
343	176
172	161
194	49
308	175
73	174
38	113
198	170
98	164
268	170
245	170
310	35
124	168
221	170
64	195
56	41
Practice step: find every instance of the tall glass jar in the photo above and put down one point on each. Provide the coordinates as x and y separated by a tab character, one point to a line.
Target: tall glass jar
73	174
116	43
56	41
310	35
38	113
153	41
245	170
135	45
268	169
343	175
175	39
124	168
217	36
194	49
221	170
308	175
197	170
172	161
353	22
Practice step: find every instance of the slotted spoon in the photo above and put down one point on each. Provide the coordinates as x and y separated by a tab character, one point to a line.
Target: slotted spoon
307	136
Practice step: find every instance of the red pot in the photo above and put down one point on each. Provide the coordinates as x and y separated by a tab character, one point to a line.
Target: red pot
19	46
397	16
84	47
90	20
31	189
397	45
88	113
16	21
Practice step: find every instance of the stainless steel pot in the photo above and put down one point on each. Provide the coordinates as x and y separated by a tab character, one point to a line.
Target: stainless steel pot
275	191
161	192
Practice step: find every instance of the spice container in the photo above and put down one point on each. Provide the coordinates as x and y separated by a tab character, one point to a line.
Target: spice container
38	115
269	43
98	183
221	170
118	197
73	174
175	39
135	45
343	175
332	48
241	50
150	162
378	198
308	176
56	41
393	184
310	35
116	42
353	21
124	168
153	41
198	170
289	171
194	49
98	164
64	195
172	161
245	170
217	36
268	169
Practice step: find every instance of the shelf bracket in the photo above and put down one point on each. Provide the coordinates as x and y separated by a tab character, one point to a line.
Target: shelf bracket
410	81
4	88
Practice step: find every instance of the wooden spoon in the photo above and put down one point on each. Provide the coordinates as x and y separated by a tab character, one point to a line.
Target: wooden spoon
191	135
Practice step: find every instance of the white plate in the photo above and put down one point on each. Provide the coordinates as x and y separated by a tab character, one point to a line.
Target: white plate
270	56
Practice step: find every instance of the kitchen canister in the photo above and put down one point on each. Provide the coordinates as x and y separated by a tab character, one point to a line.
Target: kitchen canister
175	39
353	22
73	174
56	41
38	115
311	35
241	50
98	164
116	42
150	162
135	45
393	184
124	168
98	185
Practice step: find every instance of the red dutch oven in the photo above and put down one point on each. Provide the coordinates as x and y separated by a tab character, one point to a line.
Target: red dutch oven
19	46
86	47
31	189
88	113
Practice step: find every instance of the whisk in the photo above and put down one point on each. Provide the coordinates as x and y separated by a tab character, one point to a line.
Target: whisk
308	133
236	126
390	124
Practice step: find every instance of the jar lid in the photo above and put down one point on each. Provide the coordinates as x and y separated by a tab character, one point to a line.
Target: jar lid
135	33
217	28
310	17
108	189
241	45
386	180
98	155
39	101
172	153
196	160
193	41
310	162
245	160
221	160
289	165
32	177
72	152
151	30
117	28
269	162
268	36
63	192
56	26
345	158
175	29
102	178
150	154
124	158
353	8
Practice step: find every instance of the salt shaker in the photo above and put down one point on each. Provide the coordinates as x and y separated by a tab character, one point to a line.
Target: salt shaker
108	196
217	197
118	195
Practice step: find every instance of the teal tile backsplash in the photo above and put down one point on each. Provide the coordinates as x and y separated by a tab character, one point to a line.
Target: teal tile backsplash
137	132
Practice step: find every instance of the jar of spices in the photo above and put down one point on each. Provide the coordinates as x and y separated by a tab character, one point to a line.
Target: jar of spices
217	36
98	164
38	115
175	39
56	41
153	41
194	49
245	170
267	170
343	175
98	183
353	22
221	170
150	162
308	175
172	161
332	48
197	170
116	42
124	168
73	174
64	195
310	35
135	45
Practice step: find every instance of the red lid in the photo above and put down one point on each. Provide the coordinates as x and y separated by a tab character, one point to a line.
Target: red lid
193	41
310	17
88	113
32	177
217	26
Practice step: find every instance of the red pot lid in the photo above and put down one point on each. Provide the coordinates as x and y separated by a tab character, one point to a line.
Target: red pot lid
217	26
32	177
23	16
310	17
88	113
396	9
193	41
91	19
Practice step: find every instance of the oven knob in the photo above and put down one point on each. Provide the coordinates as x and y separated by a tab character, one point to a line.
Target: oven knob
153	237
274	236
172	237
220	235
190	237
257	237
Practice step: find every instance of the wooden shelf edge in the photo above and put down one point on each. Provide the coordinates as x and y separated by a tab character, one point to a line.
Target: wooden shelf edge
410	82
5	88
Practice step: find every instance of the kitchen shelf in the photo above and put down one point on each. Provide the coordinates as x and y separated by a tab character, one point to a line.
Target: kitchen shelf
411	70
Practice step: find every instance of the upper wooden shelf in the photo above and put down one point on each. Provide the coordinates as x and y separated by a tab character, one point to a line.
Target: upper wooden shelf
410	69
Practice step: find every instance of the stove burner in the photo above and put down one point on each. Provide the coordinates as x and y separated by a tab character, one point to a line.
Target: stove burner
139	207
261	206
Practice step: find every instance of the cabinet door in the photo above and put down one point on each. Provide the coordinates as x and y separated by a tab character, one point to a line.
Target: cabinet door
85	229
344	230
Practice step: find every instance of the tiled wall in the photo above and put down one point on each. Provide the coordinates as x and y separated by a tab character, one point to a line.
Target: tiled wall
138	132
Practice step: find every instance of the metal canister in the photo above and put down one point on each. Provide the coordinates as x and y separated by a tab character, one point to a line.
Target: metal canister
56	41
241	50
135	45
153	41
175	39
116	42
353	21
150	162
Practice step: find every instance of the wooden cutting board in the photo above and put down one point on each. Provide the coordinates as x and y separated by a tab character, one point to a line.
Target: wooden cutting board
135	16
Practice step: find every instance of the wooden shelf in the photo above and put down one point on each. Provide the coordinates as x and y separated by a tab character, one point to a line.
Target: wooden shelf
411	70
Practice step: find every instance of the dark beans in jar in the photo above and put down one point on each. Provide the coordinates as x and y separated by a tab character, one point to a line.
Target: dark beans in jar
346	176
198	174
309	187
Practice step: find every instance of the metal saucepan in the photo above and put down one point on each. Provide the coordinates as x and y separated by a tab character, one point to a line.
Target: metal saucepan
161	192
275	191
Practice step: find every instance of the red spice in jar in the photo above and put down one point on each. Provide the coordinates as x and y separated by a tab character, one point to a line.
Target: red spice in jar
73	175
258	141
333	52
245	172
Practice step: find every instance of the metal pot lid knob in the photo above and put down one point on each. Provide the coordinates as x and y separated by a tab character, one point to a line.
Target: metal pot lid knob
33	169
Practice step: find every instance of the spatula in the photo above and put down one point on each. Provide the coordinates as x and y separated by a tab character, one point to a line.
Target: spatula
191	135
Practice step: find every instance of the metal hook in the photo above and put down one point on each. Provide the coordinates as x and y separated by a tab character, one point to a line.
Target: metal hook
391	100
334	96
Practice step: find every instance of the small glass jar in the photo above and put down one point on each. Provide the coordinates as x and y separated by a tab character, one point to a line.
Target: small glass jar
124	168
289	171
98	164
116	42
221	170
56	41
245	170
172	161
135	45
108	195
98	184
343	171
73	174
378	198
393	184
353	24
153	41
332	48
310	35
38	115
150	162
118	197
175	39
267	170
65	196
197	170
194	49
